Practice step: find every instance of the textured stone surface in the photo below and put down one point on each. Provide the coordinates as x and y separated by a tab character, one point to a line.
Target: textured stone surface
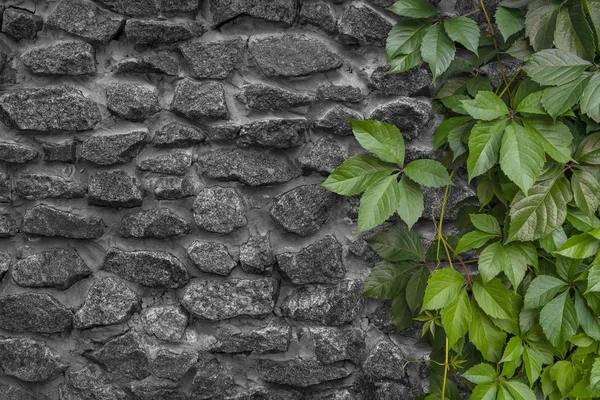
174	187
114	189
211	380
29	360
382	316
318	15
278	133
432	199
304	209
66	58
131	101
337	344
110	149
154	62
125	355
410	115
5	188
336	121
108	301
256	255
15	392
197	100
60	151
321	262
138	8
273	337
301	373
213	60
335	305
385	361
8	226
226	131
211	257
5	261
165	322
177	134
33	312
412	82
293	55
156	269
43	220
217	300
169	6
324	156
140	31
346	93
173	163
156	223
269	98
51	108
15	153
21	24
269	10
219	209
152	388
250	168
169	365
87	383
269	393
39	186
58	268
362	25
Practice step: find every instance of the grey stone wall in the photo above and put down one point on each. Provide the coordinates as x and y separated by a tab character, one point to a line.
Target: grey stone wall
161	232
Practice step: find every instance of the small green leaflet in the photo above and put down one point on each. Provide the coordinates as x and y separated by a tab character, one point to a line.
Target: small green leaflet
493	298
531	104
565	375
519	391
540	22
397	244
410	202
485	391
593	9
518	257
387	279
554	67
559	99
473	240
427	172
405	37
478	84
588	151
586	190
456	317
533	365
590	101
404	62
553	241
464	31
491	261
401	315
520	50
480	373
554	136
450	125
413	8
443	287
486	337
579	246
573	33
558	319
356	174
514	349
594	275
415	289
543	289
586	318
486	106
509	21
486	223
437	50
378	203
380	138
484	146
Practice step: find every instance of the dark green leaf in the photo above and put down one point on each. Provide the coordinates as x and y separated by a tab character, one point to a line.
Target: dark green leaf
378	203
590	101
553	241
450	125
520	50
586	318
443	287
473	240
380	138
397	244
486	223
437	50
559	99
531	104
405	37
484	146
554	135
454	103
386	280
464	31
428	173
540	23
486	337
478	84
566	267
493	298
415	290
555	67
543	289
573	33
486	106
413	8
456	317
404	62
410	202
586	190
356	174
593	9
558	319
509	21
594	276
401	314
588	151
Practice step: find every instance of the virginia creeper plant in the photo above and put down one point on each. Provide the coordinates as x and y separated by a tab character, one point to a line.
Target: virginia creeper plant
525	326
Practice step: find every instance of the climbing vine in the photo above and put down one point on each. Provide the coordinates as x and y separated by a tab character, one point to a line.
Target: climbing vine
525	326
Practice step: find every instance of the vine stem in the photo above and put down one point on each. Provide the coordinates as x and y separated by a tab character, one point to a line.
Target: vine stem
509	83
493	32
471	13
445	371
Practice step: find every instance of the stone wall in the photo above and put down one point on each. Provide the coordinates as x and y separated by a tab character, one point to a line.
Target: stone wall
161	232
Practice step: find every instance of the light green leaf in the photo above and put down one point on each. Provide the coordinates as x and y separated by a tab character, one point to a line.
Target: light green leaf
559	99
443	287
456	317
518	257
553	241
587	320
401	314
565	374
543	289
555	136
554	67
533	365
520	49
473	240
486	106
404	62
519	390
540	22
437	50
410	203
380	138
464	31
405	37
509	21
580	221
531	104
378	203
484	146
573	33
590	100
594	275
485	391
558	319
427	172
513	350
586	190
579	246
415	290
397	244
491	261
480	373
486	337
493	298
450	125
486	223
413	8
387	279
588	151
595	373
356	174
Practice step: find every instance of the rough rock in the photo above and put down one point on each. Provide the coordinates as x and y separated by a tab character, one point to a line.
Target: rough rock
226	131
269	10
269	98
293	55
110	149
177	134
362	25
152	388
174	187
165	322
304	209
250	168
382	318
219	209
108	301
125	355
40	186
58	268
318	15
21	24
8	226
347	93
61	151
256	255
216	300
389	390
43	220
341	394
140	31
321	262
155	269
385	361
212	380
33	312
53	108
213	60
169	365
467	6
15	153
159	223
269	393
324	156
15	392
301	373
277	133
172	6
84	19
29	360
410	115
131	101
335	305
114	189
211	257
139	8
273	337
5	261
385	3
66	58
433	197
173	163
89	383
5	188
335	121
337	344
197	100
154	62
410	83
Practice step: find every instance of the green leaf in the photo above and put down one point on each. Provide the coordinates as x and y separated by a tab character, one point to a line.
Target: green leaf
531	104
513	350
553	241
493	298
464	31
558	319
454	103
437	50
356	174
452	131
415	290
404	62
522	156
380	138
573	33
585	191
485	391
479	84
484	146
554	67
443	287
480	373
378	203
397	244
405	37
456	317
580	221
509	21
486	106
594	275
518	257
520	49
540	22
555	136
590	100
559	99
427	172
413	8
579	246
387	279
491	261
586	318
533	365
486	337
593	9
519	391
401	314
595	373
540	213
486	223
565	374
566	267
543	289
473	240
588	151
410	202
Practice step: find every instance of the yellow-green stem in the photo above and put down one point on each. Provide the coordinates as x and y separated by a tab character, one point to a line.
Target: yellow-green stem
445	371
510	83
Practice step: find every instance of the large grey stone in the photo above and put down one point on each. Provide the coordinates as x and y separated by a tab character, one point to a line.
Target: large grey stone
155	269
161	62
159	223
174	187
20	23
166	322
125	355
219	209
256	255
336	305
345	93
15	392
131	101
64	58
58	268
65	151
114	189
277	133
169	365
304	209
319	15
141	31
40	186
198	100
336	120
301	373
293	55
213	60
33	312
273	337
110	149
15	153
225	131
5	261
360	24
89	383
5	188
177	134
250	168
410	83
385	361
172	6
211	380
43	220
211	257
53	108
410	115
153	388
108	301
216	300
324	156
173	163
269	98
8	225
269	10
29	360
337	344
138	8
